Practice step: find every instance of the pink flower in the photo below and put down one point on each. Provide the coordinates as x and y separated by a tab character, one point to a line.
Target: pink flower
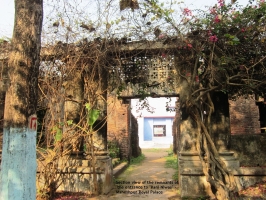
217	18
213	10
189	46
221	3
243	30
187	12
213	38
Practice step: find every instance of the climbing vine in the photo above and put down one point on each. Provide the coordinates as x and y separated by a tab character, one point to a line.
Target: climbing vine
221	50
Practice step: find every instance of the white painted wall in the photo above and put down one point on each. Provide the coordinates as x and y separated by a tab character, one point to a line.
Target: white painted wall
158	106
18	167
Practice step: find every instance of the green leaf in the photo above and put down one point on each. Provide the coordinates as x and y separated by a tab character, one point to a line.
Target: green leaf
93	115
227	35
88	106
236	39
58	135
69	122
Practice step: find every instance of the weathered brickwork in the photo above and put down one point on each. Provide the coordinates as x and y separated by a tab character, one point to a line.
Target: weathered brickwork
175	129
244	116
122	127
135	149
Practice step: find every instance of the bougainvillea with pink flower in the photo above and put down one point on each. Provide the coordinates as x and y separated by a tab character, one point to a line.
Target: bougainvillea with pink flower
187	12
224	51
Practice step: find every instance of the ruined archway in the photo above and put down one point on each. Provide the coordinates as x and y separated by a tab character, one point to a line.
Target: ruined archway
144	82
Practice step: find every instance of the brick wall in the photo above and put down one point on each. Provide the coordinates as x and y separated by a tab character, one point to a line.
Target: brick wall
135	149
244	116
119	128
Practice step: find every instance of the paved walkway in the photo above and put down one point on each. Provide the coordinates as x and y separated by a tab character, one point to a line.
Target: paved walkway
148	180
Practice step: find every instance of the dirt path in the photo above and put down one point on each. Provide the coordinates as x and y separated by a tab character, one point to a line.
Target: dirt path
147	180
153	169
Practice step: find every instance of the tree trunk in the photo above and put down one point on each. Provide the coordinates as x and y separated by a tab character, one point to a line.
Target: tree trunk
18	167
221	180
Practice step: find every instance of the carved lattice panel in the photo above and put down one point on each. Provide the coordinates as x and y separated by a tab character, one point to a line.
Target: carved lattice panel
149	75
135	69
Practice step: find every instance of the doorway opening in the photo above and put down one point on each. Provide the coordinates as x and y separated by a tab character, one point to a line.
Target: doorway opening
155	117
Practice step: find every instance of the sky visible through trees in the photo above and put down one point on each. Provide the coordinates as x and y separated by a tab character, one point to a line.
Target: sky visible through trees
7	10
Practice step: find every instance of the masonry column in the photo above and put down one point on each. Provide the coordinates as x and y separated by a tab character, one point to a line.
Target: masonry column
103	161
74	100
192	181
100	137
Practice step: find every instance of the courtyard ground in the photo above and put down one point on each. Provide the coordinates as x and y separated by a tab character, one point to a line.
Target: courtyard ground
152	180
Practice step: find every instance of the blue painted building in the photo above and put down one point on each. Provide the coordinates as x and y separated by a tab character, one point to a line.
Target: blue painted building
155	128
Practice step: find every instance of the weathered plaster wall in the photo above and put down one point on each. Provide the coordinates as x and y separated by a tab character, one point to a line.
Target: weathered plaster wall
77	175
176	129
249	149
220	121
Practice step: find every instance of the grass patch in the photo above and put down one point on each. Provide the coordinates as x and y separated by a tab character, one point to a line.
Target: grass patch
157	150
151	150
133	163
137	160
171	162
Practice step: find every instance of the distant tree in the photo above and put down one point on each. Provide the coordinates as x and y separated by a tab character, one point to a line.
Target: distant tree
18	167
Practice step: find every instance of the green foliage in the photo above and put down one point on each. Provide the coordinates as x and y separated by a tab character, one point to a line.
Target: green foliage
93	114
230	40
137	160
153	150
113	149
172	162
132	164
69	122
58	134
